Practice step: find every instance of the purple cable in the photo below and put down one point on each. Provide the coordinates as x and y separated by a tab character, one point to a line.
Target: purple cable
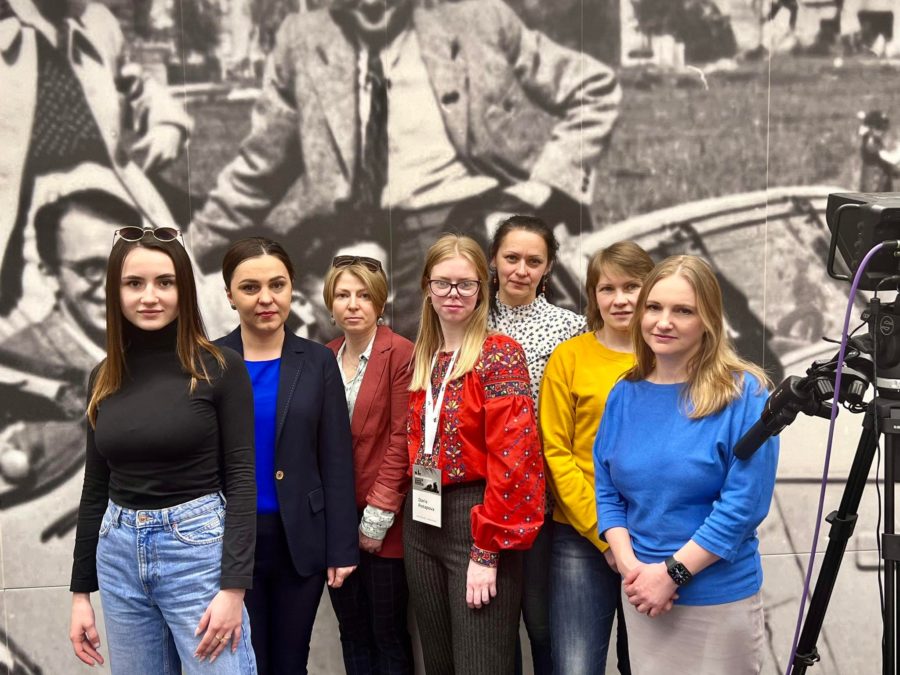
834	412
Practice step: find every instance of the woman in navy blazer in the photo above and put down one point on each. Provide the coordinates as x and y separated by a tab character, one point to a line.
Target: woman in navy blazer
306	509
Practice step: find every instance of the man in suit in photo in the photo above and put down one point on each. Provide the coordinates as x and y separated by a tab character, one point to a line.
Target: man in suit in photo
44	366
69	97
417	121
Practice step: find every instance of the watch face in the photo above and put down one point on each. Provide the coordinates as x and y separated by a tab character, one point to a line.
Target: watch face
679	573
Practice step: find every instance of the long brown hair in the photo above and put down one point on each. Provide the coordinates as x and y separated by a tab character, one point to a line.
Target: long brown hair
430	336
712	372
191	341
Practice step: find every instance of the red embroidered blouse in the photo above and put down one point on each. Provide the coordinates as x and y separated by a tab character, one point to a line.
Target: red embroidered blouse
487	431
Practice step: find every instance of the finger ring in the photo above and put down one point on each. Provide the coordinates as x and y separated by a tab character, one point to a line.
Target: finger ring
225	639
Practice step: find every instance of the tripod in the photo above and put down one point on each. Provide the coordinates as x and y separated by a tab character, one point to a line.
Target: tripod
882	416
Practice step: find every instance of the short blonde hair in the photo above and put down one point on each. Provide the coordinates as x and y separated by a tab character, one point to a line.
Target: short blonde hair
375	282
623	257
713	373
430	338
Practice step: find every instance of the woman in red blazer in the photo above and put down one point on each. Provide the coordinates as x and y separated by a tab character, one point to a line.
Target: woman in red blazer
375	366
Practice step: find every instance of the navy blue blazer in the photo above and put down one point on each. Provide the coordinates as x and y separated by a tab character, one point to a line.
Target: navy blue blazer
313	456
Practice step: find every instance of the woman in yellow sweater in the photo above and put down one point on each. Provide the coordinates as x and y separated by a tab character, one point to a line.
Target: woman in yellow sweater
584	585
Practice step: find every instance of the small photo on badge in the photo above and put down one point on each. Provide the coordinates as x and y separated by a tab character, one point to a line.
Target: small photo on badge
426	479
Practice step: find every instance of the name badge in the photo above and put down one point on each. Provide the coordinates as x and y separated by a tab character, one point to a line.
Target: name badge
426	495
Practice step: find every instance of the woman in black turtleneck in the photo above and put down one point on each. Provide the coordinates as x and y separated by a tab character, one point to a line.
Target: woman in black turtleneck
170	437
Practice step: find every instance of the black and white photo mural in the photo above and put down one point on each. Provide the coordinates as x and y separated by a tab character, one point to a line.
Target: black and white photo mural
715	127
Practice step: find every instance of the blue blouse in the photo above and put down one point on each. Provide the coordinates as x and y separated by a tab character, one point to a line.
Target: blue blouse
264	377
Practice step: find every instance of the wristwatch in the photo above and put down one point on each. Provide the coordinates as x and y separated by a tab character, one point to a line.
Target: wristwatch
679	573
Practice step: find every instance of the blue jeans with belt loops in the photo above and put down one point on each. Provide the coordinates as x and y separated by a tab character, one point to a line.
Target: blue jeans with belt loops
158	571
584	593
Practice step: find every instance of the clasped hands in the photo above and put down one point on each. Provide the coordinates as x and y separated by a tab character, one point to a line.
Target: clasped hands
649	588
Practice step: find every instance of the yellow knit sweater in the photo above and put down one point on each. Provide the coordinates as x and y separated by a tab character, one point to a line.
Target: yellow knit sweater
577	381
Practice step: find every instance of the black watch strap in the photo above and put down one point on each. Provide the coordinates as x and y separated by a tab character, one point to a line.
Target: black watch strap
679	573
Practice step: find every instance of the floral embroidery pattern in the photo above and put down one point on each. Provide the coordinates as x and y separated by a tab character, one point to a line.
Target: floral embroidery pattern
503	369
487	431
504	374
448	454
451	443
482	557
498	389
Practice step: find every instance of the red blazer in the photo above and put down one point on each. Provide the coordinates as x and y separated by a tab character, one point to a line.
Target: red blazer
380	456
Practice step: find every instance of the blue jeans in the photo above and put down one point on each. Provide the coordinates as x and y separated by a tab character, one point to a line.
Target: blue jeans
584	594
158	571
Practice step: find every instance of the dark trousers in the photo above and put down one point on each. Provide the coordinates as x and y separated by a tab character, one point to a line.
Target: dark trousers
371	613
456	639
282	604
623	659
536	601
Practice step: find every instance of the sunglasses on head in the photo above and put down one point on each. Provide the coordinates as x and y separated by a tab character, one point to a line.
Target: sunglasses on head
134	233
371	264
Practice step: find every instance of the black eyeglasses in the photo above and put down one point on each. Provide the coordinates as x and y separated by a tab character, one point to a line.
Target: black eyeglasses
371	264
134	233
466	288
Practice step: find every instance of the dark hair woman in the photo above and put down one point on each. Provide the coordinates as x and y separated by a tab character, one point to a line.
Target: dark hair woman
168	442
522	255
306	515
375	366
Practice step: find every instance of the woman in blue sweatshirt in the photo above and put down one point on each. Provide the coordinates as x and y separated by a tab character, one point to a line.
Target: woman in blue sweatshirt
678	509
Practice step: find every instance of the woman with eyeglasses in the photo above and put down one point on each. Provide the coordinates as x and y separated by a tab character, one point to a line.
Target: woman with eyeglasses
168	442
522	254
477	495
375	367
306	517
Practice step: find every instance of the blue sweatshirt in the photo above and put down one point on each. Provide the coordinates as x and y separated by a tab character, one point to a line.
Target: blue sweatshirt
668	478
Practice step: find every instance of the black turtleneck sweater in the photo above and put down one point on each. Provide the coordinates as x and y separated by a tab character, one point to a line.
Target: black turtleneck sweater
156	445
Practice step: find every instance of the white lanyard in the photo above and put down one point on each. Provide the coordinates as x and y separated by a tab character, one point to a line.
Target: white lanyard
433	407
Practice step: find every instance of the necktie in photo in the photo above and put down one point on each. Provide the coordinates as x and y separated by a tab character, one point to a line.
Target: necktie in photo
372	176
